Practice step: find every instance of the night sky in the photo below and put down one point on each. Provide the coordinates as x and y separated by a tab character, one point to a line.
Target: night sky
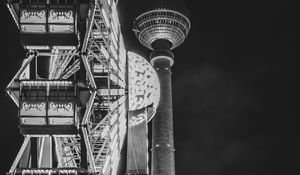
234	87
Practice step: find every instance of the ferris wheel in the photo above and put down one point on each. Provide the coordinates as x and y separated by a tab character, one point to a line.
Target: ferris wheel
75	118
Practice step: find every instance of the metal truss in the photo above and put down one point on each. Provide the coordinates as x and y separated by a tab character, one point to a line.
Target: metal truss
103	123
107	120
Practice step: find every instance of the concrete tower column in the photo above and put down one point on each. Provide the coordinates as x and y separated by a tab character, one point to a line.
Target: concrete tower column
163	159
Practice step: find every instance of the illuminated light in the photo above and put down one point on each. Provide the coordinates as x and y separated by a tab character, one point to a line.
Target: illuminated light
55	16
49	171
25	28
33	109
162	57
62	135
144	88
32	121
64	47
60	109
37	47
61	29
61	121
111	92
47	83
33	16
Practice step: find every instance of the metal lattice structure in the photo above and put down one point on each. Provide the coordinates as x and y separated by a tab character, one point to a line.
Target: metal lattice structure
94	144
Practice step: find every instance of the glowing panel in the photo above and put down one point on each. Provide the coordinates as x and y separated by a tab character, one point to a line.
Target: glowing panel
33	28
33	109
61	29
144	88
33	16
61	16
32	121
61	121
60	109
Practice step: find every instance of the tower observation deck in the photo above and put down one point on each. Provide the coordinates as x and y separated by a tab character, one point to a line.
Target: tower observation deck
162	27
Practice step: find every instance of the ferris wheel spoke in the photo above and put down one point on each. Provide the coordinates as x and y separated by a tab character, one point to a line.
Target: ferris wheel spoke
67	151
88	146
71	70
59	61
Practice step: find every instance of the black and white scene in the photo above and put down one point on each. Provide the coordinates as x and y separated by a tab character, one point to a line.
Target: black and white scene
148	87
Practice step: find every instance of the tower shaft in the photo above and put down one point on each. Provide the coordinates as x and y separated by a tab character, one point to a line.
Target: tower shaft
163	160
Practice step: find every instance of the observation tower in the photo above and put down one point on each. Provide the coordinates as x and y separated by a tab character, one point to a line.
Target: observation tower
161	28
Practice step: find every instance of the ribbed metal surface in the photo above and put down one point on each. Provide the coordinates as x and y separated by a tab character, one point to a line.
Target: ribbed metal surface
163	20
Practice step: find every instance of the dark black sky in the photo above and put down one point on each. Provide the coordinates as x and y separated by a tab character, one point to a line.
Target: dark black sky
234	86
